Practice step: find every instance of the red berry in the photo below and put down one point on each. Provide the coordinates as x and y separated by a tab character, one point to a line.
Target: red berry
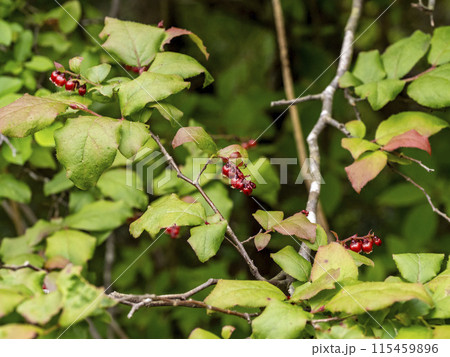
245	145
252	185
237	183
252	143
60	80
356	246
377	240
367	245
226	169
70	85
305	212
54	75
247	189
173	231
128	67
82	90
135	69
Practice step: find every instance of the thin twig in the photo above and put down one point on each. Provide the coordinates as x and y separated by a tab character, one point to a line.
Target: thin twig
92	329
191	292
306	98
413	78
12	210
84	108
338	125
433	207
202	171
420	163
236	242
352	101
28	213
25	265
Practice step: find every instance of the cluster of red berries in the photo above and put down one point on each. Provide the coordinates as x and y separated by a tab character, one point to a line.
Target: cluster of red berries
173	231
237	178
249	144
59	79
136	69
305	212
363	244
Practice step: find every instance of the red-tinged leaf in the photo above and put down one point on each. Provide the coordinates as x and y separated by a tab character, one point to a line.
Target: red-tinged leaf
410	139
28	115
366	169
261	240
176	32
299	226
195	134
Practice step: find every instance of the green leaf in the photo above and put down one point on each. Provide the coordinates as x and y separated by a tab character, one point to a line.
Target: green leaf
311	289
299	226
40	64
443	279
400	57
415	332
268	181
418	268
371	296
206	240
199	333
87	146
23	46
261	240
40	309
356	128
75	246
134	44
228	150
10	299
180	64
147	88
333	256
431	89
420	225
441	298
246	293
42	158
23	150
368	67
365	169
97	74
292	263
381	92
402	194
13	247
122	185
42	229
26	281
348	80
361	259
268	219
227	331
9	85
14	189
45	137
425	124
80	299
358	146
321	239
280	320
166	212
68	16
75	64
5	33
168	112
19	331
441	332
133	136
99	216
59	183
195	134
28	115
440	46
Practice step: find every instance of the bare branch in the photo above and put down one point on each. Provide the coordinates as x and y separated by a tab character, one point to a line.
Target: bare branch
306	98
151	300
338	125
352	101
326	114
236	242
433	207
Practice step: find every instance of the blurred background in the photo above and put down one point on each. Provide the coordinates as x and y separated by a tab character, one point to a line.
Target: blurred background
244	60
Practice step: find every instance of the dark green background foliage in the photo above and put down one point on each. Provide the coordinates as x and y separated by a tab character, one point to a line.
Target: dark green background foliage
244	62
